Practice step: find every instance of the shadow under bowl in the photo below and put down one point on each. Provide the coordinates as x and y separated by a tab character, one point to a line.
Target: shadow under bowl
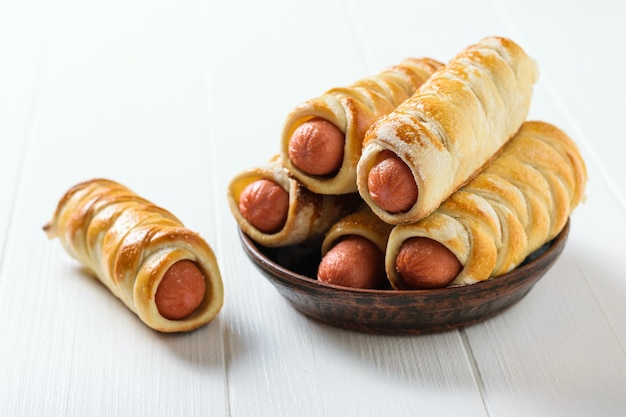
292	271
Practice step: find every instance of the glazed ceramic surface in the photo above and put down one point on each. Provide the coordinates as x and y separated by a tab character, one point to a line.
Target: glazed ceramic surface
292	270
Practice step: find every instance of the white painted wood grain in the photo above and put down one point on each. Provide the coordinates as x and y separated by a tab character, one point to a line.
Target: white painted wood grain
561	351
23	43
288	363
173	99
581	60
120	96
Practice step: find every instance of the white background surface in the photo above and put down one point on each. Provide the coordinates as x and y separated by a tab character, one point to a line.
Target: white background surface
173	99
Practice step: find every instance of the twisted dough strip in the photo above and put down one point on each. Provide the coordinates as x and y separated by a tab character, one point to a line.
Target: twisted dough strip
309	214
353	110
454	124
129	244
513	207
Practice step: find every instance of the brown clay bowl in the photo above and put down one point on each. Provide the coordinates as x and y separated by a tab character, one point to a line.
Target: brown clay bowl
292	271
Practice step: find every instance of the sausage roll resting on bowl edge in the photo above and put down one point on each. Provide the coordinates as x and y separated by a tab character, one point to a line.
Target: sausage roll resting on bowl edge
512	208
451	128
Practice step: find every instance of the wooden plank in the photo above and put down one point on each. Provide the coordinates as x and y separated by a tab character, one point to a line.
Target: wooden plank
285	362
19	83
173	99
120	97
559	351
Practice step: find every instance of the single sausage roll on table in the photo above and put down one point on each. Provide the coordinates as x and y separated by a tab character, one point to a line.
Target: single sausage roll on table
275	210
166	274
322	138
517	204
433	143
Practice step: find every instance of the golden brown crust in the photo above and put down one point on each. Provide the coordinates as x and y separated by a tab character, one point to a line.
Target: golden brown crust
513	207
454	124
128	243
309	216
353	110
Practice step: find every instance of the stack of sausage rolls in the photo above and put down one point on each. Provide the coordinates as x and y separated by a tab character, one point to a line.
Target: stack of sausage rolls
298	194
427	175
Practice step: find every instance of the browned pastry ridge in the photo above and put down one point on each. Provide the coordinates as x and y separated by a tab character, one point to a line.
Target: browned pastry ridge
454	124
353	110
513	207
129	244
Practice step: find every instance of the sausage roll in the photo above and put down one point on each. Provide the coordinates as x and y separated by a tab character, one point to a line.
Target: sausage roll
131	245
353	251
352	110
509	210
362	222
307	216
453	125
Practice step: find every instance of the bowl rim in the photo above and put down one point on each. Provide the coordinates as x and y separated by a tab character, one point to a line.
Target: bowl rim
547	256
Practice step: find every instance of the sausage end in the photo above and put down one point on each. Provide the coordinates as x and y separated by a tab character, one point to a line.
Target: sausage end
265	205
391	184
425	263
181	291
354	262
316	147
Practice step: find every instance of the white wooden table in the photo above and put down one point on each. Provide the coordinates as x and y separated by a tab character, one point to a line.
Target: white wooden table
173	98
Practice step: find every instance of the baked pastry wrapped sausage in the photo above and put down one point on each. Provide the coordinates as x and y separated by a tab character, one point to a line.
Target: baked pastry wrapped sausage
275	210
166	274
517	204
447	131
322	137
353	251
